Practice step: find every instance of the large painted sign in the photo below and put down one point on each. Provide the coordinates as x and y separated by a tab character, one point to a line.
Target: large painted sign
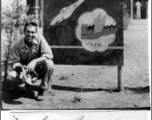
84	31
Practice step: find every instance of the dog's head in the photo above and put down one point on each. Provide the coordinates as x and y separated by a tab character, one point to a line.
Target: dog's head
29	76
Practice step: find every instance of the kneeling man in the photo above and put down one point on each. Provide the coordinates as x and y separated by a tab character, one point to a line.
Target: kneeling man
33	52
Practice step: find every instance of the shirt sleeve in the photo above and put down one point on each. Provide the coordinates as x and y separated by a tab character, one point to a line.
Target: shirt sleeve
45	49
15	57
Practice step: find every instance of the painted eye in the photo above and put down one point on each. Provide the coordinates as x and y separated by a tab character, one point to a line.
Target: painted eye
62	10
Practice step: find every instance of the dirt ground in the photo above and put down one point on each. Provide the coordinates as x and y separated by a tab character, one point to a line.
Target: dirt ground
84	87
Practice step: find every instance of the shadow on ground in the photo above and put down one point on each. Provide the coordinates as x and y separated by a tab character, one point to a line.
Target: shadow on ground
81	89
10	93
139	90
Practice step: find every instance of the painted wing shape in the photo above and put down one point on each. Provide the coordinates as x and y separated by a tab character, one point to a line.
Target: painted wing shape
66	12
99	24
97	19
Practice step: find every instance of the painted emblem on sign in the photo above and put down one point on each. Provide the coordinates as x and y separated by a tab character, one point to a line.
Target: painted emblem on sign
96	30
66	12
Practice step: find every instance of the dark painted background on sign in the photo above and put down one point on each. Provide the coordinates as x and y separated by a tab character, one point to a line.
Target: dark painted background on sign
63	34
83	57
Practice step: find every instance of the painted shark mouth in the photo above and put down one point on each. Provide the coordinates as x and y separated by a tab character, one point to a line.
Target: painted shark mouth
98	29
89	32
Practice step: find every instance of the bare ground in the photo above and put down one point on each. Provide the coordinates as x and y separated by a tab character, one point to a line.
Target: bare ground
80	87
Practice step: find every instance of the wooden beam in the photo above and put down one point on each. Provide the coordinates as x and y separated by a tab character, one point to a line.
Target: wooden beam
34	9
41	12
131	9
81	47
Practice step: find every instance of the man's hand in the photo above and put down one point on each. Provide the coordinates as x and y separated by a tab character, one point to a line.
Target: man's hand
31	65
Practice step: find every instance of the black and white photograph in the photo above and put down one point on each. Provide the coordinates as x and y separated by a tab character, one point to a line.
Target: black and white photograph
75	54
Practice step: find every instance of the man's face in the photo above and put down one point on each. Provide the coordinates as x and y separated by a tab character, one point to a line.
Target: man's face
30	32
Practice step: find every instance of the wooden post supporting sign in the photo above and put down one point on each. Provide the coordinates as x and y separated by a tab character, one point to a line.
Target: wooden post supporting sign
120	81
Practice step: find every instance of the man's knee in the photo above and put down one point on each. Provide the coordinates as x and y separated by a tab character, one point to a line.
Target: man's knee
49	64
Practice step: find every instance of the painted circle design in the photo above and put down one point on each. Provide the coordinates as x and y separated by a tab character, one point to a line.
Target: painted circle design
96	30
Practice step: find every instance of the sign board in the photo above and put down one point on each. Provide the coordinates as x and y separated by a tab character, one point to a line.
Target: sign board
84	32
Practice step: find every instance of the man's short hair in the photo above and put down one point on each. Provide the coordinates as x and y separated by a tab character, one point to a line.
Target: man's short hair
30	23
